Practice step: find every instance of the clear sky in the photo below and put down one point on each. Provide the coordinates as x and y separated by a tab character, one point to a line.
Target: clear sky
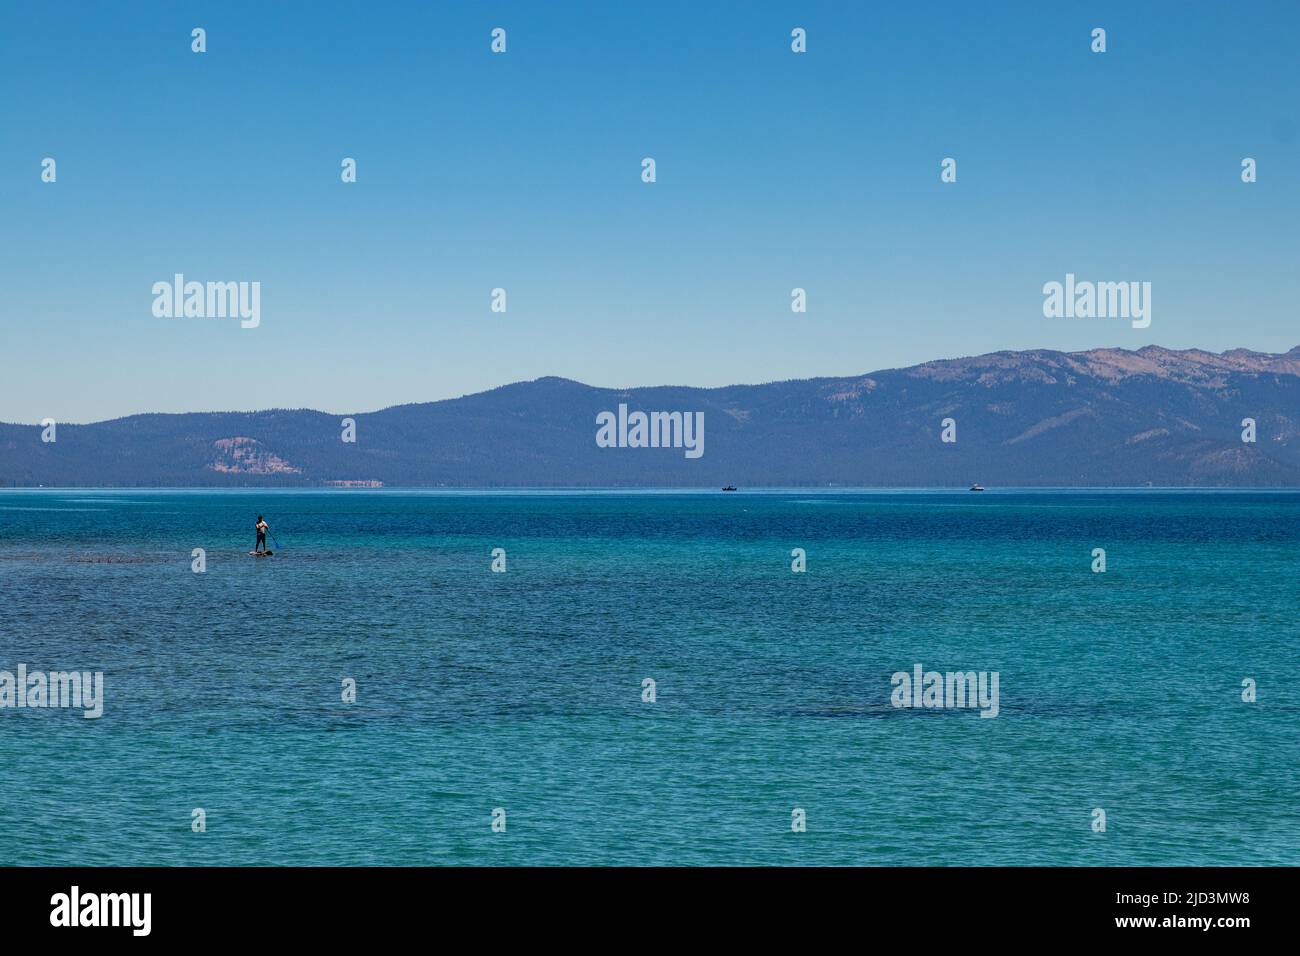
523	171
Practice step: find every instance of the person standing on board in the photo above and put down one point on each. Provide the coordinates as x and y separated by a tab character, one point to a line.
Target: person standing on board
261	535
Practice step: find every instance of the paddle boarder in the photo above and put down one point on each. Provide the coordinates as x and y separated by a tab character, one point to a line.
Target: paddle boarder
261	535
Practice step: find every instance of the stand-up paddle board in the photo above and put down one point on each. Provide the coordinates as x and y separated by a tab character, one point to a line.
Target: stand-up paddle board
261	554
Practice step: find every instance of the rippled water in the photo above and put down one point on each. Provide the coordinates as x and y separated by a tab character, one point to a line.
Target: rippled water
523	690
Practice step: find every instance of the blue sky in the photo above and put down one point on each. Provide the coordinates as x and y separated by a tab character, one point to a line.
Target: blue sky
522	171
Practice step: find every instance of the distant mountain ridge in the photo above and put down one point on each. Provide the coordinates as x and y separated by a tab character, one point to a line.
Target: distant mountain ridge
1040	417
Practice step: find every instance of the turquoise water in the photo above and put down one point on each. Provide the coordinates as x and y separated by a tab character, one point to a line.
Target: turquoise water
522	690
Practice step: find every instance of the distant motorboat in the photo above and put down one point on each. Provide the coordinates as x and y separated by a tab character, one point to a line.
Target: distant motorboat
976	487
729	488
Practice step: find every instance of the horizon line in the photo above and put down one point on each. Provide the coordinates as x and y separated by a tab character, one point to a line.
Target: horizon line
701	388
630	489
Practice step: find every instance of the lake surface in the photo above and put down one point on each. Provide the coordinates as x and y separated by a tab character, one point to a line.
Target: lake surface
523	690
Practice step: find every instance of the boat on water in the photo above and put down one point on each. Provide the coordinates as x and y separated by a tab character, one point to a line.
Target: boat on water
977	487
729	488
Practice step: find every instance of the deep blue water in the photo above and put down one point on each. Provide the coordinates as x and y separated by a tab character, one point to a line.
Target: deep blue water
522	690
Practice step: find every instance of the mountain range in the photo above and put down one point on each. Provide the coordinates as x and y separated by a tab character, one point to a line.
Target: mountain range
1105	417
